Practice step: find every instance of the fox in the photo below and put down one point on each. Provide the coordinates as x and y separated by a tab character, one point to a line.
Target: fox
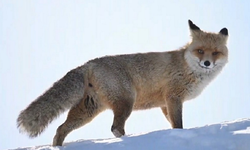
129	82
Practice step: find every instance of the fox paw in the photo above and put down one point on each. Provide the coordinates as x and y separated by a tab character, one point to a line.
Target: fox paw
117	133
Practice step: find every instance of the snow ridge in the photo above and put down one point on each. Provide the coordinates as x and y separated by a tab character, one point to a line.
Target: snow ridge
233	135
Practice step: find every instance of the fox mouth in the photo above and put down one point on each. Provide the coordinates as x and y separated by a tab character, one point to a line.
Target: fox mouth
204	67
208	69
207	64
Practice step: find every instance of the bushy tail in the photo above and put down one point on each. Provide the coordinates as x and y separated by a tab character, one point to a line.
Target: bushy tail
64	94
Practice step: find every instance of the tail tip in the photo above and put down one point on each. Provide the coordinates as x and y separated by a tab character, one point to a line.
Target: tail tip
26	129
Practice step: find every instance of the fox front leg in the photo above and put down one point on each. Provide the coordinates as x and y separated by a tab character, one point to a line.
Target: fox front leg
165	112
174	112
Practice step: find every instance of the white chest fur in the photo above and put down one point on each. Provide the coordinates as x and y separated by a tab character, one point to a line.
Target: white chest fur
195	89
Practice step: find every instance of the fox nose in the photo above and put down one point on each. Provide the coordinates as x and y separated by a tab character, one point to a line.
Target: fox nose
207	63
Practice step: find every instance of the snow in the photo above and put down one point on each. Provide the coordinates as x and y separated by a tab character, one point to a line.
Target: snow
234	135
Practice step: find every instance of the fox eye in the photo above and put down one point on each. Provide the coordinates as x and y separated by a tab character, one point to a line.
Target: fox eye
200	51
215	53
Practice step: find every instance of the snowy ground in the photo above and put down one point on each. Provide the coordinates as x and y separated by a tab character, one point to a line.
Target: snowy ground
233	135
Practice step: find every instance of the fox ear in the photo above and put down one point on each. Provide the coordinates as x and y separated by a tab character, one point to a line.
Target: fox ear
224	31
194	29
192	26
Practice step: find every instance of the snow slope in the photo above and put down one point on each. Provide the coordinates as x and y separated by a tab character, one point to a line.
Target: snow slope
233	135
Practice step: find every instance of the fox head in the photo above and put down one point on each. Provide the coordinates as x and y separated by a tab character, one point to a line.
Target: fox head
207	52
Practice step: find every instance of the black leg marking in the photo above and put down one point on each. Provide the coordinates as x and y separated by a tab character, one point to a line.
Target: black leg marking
90	104
86	102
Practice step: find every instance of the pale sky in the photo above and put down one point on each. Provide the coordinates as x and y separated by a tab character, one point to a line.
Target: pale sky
42	40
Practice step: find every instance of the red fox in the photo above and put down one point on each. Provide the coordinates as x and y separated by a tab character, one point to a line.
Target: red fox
124	83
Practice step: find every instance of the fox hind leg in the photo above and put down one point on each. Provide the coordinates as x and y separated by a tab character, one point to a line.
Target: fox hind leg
78	116
122	109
